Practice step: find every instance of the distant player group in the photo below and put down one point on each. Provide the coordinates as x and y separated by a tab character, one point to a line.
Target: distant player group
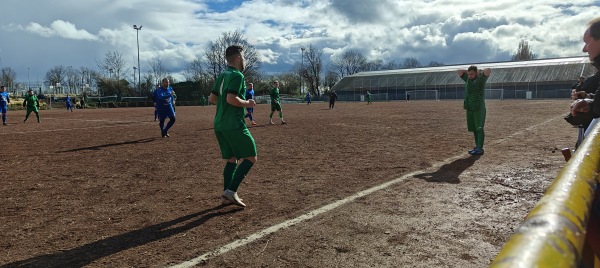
31	103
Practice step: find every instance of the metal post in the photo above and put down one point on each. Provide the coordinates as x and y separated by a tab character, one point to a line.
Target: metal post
138	48
135	68
301	67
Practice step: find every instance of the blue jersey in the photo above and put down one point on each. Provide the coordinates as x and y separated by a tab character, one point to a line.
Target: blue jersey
68	101
250	94
4	99
163	98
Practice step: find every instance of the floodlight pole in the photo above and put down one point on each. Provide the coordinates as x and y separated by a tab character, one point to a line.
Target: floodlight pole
138	48
134	69
301	68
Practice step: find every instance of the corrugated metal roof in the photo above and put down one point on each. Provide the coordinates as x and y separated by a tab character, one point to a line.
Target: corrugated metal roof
548	71
493	65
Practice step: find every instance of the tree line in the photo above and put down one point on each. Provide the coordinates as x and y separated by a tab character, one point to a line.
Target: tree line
111	75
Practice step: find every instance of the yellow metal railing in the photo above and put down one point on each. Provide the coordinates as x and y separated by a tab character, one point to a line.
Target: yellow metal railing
553	233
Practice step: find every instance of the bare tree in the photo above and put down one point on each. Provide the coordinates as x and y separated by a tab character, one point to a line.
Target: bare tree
8	76
215	54
72	76
331	78
149	82
411	63
523	52
392	65
288	82
313	69
194	71
113	64
158	69
56	74
435	64
349	63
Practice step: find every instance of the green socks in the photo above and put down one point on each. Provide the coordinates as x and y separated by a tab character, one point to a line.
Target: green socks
479	138
239	175
228	174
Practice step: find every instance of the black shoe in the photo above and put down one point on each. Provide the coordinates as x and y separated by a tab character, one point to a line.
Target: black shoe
477	151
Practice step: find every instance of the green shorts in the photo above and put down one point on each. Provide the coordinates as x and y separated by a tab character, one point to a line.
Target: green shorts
475	120
275	106
236	143
32	109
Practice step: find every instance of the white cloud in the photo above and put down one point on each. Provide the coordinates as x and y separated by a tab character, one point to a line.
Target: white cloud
60	28
268	56
176	31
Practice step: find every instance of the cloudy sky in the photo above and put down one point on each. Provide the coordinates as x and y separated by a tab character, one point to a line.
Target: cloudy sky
40	34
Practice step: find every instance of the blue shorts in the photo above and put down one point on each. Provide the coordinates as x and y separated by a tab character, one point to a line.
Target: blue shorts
162	114
250	110
3	109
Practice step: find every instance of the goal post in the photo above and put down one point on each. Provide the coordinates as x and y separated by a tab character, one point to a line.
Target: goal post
494	94
378	97
426	94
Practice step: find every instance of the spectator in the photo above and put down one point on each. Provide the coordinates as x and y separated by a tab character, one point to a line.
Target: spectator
591	38
589	86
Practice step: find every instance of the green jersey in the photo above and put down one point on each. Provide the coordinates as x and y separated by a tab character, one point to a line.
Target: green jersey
227	117
31	101
474	92
274	95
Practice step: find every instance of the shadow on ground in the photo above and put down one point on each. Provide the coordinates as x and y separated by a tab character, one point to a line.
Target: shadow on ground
450	172
86	254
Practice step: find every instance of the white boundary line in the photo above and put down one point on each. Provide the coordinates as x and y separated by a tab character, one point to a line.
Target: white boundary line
260	234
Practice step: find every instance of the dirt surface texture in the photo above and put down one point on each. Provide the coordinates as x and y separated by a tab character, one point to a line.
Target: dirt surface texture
383	185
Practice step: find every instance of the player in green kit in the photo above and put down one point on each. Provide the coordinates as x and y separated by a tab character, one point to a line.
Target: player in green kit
275	103
474	104
368	97
234	138
32	103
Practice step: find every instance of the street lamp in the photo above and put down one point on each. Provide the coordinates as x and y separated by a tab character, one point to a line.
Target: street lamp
137	29
301	68
28	80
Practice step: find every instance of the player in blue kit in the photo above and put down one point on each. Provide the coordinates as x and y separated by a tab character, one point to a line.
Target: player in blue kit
69	104
163	98
249	96
4	101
